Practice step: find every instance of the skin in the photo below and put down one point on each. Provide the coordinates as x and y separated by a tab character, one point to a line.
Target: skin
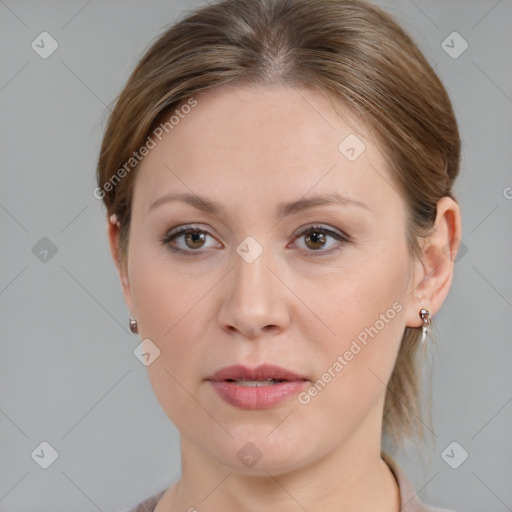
251	148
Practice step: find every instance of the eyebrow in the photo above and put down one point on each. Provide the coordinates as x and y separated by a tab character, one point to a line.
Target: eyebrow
215	208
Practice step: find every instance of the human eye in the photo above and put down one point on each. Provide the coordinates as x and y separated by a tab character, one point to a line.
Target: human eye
192	236
193	239
317	237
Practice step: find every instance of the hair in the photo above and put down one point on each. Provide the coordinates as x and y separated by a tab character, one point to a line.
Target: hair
349	49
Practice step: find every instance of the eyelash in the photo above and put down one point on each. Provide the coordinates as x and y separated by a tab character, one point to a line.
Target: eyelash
343	238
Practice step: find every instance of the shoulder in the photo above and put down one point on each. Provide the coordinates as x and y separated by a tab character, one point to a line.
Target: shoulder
147	505
409	499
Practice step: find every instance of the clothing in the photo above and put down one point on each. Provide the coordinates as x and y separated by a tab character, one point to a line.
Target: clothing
149	504
409	501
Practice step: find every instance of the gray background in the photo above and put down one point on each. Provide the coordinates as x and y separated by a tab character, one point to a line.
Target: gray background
67	372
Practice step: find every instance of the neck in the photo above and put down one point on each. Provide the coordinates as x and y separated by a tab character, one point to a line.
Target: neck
353	476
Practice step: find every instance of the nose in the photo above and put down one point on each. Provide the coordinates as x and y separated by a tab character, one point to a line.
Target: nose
254	299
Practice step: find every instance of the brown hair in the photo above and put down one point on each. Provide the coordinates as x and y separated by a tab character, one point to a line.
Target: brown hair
347	48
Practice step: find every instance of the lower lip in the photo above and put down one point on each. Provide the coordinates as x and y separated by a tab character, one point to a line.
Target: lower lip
257	397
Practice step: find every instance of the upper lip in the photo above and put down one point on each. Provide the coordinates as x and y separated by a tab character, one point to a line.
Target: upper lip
262	372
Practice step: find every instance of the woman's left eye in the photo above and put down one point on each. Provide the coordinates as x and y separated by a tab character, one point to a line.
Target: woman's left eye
315	238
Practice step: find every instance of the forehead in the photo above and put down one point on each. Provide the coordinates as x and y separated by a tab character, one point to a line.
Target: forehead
262	143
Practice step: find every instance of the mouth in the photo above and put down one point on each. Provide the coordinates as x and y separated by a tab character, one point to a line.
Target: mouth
252	383
265	374
258	388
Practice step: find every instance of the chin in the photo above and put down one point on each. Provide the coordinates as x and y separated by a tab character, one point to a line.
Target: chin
253	451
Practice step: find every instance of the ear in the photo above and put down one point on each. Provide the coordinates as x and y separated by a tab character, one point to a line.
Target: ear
113	238
433	276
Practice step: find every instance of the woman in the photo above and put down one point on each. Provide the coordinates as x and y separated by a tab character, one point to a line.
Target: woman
278	182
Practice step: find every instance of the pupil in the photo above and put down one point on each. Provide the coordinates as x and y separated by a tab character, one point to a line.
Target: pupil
316	238
195	238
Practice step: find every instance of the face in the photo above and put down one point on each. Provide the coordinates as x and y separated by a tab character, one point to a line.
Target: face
318	288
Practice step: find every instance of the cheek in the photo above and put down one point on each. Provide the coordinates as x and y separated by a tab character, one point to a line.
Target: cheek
168	306
352	379
362	301
161	297
367	314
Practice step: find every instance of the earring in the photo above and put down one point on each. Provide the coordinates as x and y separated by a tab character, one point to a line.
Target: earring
427	320
133	325
114	220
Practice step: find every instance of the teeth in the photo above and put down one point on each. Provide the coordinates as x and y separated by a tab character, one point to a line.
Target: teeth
267	382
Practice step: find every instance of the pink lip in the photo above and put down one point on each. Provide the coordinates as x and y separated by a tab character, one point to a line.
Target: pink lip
262	372
256	397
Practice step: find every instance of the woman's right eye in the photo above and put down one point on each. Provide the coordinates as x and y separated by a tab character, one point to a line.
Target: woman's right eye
192	237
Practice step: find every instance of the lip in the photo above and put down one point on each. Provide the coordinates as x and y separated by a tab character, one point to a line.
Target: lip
256	397
261	372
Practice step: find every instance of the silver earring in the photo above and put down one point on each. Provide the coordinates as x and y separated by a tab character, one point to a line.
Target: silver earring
133	325
427	320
